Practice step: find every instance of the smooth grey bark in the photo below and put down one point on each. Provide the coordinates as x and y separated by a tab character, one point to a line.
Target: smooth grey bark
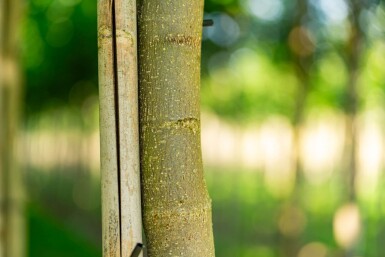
176	206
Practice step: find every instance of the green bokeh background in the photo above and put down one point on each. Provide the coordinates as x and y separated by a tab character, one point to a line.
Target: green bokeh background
248	75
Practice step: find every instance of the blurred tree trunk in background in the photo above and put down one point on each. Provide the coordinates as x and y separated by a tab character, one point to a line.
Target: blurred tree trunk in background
176	205
355	48
119	127
12	235
353	57
302	51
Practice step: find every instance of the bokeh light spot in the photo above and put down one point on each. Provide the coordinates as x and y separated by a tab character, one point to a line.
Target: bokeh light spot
347	225
313	249
335	11
267	10
226	30
292	221
301	41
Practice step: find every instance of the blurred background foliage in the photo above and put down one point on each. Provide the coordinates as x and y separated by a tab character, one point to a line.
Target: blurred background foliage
292	116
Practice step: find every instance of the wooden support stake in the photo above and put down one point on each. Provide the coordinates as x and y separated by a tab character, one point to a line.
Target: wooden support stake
119	127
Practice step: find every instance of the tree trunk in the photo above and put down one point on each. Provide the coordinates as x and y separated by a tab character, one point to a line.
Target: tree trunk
12	236
176	205
119	127
301	59
355	49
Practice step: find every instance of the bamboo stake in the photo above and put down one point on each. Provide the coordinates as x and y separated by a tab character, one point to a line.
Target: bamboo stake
121	207
108	137
127	81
